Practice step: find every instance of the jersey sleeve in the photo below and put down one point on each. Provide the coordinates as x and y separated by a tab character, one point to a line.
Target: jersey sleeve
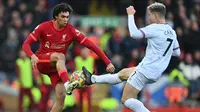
33	37
176	49
80	38
37	32
148	31
176	45
77	35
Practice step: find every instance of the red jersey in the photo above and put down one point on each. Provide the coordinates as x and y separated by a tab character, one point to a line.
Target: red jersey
53	39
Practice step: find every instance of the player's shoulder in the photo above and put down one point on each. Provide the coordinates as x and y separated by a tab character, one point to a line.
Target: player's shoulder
45	24
171	30
157	26
152	25
70	26
72	29
160	27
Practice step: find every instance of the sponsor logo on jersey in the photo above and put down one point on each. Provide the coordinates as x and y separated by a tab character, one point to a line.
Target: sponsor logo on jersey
57	46
54	46
47	44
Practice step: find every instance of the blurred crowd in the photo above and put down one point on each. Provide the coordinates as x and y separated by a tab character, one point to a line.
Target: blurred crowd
19	17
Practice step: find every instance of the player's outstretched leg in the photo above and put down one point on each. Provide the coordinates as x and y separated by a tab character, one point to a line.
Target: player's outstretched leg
108	78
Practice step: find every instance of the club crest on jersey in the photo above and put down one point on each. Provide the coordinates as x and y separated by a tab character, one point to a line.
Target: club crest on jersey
47	44
63	37
77	32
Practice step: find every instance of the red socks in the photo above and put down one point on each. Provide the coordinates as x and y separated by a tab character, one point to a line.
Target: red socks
63	74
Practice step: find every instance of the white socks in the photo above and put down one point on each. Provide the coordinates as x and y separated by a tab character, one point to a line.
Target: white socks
135	105
106	79
66	84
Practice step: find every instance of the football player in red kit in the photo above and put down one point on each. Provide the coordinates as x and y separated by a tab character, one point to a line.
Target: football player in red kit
55	36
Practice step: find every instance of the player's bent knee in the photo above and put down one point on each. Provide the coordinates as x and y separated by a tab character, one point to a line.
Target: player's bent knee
61	56
123	77
124	74
121	74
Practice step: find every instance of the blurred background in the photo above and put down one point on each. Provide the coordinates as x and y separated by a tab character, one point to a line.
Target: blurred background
105	23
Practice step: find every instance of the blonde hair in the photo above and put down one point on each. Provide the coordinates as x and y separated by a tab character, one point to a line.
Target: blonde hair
158	8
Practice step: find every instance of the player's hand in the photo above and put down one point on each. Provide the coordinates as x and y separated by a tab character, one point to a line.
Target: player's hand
34	61
110	68
130	10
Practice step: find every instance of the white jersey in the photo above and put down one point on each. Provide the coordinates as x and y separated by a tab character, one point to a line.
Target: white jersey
161	41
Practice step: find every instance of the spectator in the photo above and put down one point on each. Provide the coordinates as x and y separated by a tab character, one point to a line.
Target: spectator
3	32
197	57
9	53
195	34
117	62
41	13
128	44
177	74
170	19
24	73
114	42
22	9
180	37
46	89
104	39
85	60
29	21
176	92
191	70
135	58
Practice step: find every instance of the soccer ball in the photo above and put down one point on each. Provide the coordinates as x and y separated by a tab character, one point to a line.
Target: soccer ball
78	75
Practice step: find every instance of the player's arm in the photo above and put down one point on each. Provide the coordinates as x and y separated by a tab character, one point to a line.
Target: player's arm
87	43
134	31
27	45
176	52
79	37
32	38
176	49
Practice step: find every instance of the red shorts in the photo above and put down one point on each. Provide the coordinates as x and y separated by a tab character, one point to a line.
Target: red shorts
48	69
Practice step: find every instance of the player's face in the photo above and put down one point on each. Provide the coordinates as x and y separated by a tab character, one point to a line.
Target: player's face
62	18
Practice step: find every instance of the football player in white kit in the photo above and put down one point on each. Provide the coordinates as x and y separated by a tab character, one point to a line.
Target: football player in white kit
162	44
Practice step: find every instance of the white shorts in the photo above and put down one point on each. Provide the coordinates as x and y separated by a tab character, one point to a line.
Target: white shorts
138	80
